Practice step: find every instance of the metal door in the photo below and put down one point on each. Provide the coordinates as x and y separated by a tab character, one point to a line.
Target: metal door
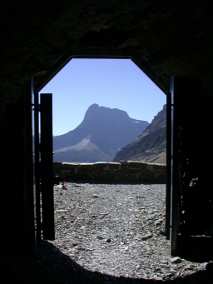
43	167
189	197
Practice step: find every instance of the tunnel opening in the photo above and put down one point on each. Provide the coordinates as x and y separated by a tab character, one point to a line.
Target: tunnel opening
96	215
89	236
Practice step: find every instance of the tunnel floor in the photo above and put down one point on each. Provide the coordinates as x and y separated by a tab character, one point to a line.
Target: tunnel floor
117	230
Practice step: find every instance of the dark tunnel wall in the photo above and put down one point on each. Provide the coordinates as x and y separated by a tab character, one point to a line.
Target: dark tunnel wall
164	38
16	210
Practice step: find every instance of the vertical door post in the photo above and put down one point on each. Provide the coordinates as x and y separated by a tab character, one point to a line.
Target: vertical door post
48	226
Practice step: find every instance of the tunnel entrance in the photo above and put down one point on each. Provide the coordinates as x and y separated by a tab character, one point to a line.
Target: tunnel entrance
170	228
154	155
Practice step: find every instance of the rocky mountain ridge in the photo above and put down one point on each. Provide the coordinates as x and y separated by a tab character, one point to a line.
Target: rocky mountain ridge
102	133
150	146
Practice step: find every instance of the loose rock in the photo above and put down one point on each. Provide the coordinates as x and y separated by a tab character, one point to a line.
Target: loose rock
176	260
146	237
118	230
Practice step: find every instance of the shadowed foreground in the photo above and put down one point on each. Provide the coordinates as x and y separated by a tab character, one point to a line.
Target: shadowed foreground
82	252
50	265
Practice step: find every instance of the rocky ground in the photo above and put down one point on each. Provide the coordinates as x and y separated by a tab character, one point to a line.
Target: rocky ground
117	230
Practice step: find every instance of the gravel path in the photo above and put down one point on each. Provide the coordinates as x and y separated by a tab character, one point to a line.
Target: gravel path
117	230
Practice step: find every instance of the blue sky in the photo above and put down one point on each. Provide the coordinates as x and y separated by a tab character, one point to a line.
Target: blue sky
115	83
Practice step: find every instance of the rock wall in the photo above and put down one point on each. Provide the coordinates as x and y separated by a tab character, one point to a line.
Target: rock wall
112	172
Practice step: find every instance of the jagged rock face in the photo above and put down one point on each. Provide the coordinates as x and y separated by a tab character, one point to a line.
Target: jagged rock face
151	145
98	138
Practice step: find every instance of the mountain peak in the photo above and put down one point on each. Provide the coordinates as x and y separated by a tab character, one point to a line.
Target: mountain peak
93	107
109	129
96	111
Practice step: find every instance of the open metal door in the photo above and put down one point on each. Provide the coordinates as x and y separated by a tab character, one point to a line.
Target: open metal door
181	113
169	113
43	165
189	194
174	160
46	149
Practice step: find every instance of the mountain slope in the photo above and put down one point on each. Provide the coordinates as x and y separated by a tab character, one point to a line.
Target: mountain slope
102	133
151	145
